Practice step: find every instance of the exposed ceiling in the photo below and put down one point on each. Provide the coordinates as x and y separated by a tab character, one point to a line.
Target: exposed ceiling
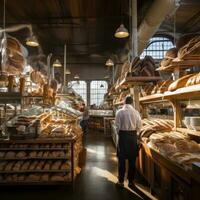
88	26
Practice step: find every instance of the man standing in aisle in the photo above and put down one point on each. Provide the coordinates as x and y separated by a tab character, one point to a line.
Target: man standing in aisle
128	123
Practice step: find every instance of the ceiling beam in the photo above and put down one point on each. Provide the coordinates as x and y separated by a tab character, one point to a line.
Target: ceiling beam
191	23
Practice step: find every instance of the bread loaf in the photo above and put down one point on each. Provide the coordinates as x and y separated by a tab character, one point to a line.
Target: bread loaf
56	165
25	165
21	154
181	82
10	154
33	177
2	165
33	165
44	177
2	154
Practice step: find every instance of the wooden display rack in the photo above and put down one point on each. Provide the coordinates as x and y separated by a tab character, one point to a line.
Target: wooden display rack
69	143
136	80
180	65
172	179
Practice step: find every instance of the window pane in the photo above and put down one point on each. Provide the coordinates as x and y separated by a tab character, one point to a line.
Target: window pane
81	88
97	92
157	47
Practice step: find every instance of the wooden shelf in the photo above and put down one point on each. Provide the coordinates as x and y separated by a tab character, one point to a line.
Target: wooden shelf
190	92
119	103
34	149
67	182
35	171
38	158
40	141
181	65
137	80
152	98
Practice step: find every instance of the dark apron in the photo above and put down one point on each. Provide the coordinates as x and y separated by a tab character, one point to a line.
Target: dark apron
127	144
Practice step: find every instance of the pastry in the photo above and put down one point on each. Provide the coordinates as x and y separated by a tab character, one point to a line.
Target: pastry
25	165
56	165
2	165
9	166
10	154
33	165
2	154
21	154
47	165
44	177
33	154
65	166
33	177
40	165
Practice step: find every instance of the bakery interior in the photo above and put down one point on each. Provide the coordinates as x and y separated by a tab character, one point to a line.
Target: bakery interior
57	55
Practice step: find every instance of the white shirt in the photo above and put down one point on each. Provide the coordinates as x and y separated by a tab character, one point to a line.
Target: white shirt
128	119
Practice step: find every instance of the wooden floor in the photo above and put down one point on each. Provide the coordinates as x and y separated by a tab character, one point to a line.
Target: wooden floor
96	181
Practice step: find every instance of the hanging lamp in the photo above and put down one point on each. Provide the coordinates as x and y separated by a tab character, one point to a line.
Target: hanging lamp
76	76
109	63
121	32
32	41
67	71
57	63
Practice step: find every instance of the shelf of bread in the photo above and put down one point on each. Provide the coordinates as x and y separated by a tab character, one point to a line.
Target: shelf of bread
152	98
192	92
184	56
137	80
180	65
186	87
172	145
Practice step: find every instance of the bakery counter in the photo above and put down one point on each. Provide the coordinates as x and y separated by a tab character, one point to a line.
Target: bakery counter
167	179
41	161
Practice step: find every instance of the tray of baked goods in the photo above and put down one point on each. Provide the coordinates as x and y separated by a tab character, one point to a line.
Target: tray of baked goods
34	147
27	155
173	145
34	166
36	178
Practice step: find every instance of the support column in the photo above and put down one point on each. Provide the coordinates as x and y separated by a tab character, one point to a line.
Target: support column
134	91
134	32
88	92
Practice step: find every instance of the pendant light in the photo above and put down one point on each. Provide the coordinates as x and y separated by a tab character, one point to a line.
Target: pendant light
121	32
32	41
67	72
57	63
109	63
76	76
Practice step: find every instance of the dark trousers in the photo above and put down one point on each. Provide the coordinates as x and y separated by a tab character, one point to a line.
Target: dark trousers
127	150
84	125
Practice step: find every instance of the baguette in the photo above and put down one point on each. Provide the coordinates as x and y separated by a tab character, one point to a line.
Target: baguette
180	83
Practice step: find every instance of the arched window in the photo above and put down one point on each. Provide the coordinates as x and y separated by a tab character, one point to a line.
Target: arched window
157	47
81	88
97	92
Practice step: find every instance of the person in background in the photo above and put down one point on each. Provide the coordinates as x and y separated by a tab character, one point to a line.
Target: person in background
128	123
85	118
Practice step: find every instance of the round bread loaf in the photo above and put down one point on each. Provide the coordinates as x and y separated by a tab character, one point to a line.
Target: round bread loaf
171	53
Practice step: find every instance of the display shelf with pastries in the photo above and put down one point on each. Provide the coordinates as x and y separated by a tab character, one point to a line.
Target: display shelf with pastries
168	154
183	56
40	141
138	72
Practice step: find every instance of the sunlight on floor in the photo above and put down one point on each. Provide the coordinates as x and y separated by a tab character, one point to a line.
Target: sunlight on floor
112	178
